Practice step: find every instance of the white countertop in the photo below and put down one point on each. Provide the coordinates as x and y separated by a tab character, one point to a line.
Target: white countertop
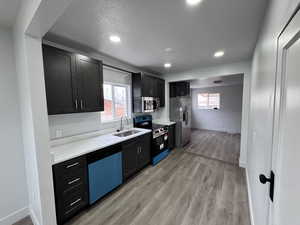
64	152
164	122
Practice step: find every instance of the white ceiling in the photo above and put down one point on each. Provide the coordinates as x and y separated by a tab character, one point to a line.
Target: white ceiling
148	27
8	12
226	81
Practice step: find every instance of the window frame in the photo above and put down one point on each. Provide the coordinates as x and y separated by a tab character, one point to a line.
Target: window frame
208	106
128	98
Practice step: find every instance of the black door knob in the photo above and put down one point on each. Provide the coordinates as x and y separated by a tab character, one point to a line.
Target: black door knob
263	179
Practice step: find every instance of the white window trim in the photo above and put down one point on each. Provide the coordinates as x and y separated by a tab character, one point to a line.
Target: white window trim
128	96
208	108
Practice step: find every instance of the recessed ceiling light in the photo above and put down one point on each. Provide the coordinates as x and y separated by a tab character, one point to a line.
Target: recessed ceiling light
115	39
168	49
219	54
193	2
168	65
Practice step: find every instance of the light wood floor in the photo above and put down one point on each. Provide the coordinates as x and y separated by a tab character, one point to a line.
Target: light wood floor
184	189
215	145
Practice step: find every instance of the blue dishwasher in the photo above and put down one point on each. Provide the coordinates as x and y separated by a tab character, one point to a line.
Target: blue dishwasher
104	171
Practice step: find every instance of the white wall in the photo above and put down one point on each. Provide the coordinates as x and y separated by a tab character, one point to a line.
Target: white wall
13	191
228	118
222	70
262	99
34	17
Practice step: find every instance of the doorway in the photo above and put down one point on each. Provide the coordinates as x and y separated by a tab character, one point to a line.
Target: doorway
217	105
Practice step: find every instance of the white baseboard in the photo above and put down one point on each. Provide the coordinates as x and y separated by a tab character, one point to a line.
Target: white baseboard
15	216
242	164
34	219
250	199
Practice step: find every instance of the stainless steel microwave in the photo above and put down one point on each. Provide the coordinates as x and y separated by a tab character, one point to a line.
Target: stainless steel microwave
150	104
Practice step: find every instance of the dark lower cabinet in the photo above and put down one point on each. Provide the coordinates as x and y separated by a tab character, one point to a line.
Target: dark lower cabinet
171	135
82	181
136	155
144	154
71	189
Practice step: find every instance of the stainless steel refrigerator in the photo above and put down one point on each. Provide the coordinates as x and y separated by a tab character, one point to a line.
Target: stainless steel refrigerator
180	112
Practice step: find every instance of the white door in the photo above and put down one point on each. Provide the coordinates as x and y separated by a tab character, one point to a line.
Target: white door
285	209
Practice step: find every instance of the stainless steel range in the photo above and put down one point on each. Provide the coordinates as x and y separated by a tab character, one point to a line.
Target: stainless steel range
159	148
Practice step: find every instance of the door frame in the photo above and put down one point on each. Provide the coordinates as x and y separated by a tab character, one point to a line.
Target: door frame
284	40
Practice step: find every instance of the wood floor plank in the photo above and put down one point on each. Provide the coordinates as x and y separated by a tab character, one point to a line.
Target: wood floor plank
215	145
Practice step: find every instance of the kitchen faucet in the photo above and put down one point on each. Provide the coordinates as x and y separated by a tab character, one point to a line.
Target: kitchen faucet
121	122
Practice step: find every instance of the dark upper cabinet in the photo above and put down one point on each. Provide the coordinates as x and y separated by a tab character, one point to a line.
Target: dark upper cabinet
59	67
147	86
73	82
90	82
179	89
161	91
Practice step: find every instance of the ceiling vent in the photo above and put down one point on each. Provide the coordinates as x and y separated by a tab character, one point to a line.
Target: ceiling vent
218	81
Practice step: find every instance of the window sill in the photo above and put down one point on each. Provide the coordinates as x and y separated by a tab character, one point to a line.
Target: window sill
114	121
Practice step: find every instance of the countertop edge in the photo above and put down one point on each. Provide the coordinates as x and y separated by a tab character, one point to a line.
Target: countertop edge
61	159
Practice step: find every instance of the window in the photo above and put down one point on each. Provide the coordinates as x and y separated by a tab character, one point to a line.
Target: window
115	102
209	101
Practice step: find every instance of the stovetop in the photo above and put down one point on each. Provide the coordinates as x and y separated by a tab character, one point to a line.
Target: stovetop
157	126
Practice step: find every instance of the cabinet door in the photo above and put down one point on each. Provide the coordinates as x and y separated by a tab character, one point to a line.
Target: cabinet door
90	77
144	154
161	92
147	86
173	91
155	83
130	154
60	81
171	135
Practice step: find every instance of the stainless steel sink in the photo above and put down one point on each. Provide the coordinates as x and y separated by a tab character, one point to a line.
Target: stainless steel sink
127	133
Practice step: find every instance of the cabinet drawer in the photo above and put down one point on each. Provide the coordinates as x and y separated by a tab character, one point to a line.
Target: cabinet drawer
70	185
68	168
73	204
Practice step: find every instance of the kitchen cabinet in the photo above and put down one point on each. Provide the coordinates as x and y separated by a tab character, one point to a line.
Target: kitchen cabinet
161	91
171	136
136	155
179	89
74	83
144	85
71	188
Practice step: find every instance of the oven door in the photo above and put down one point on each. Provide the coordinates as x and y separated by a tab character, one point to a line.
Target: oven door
159	144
